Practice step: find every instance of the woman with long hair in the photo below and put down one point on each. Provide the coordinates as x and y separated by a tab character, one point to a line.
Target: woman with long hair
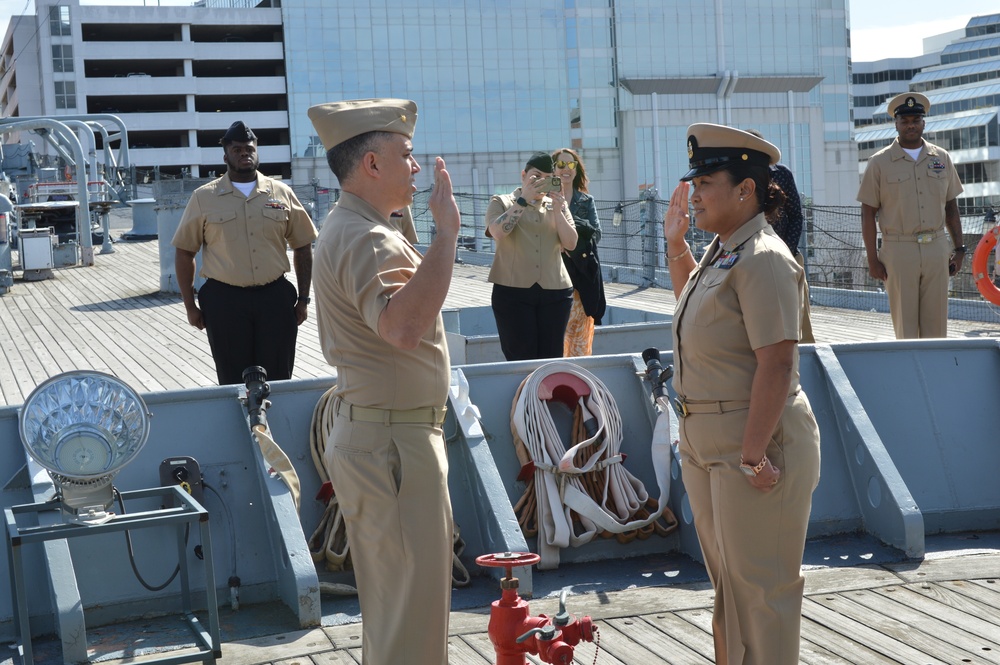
581	262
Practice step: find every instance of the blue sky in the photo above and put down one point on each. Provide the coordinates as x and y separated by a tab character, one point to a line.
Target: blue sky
884	29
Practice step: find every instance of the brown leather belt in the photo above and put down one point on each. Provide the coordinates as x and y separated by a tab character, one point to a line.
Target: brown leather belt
428	415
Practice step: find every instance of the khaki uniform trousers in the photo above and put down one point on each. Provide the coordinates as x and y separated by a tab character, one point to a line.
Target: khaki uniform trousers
807	328
917	285
392	484
752	541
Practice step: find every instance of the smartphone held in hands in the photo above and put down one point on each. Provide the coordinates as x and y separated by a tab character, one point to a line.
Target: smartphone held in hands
550	184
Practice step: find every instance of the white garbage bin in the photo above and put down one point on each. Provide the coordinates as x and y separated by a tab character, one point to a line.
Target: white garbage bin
36	252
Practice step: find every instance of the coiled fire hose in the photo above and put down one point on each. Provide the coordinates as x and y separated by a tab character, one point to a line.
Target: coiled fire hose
328	543
576	494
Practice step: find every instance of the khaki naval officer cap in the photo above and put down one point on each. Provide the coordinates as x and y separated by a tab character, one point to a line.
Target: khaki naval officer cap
713	147
909	103
335	122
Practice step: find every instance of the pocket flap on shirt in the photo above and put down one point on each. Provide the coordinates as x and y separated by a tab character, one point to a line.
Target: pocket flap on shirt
895	178
277	214
713	277
220	217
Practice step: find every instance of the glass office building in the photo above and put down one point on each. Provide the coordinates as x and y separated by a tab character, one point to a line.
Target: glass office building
618	79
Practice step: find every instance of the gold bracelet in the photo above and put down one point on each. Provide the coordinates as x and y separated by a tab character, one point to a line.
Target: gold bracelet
674	258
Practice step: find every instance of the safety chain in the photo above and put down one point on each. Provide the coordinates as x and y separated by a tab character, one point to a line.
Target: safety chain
597	643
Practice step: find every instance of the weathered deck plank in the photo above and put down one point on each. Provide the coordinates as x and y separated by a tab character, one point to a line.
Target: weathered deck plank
658	642
959	629
861	627
111	317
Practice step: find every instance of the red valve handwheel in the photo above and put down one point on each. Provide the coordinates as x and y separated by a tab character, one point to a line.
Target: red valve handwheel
508	560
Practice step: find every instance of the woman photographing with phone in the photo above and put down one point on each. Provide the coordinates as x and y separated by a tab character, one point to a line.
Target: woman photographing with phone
532	292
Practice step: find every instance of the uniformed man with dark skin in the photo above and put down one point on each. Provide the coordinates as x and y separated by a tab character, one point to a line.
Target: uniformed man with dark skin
911	187
749	442
243	223
378	308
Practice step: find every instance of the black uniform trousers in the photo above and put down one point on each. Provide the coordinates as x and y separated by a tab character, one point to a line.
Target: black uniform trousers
252	325
531	322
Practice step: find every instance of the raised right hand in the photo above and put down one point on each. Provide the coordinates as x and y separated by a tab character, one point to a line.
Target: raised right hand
676	220
447	218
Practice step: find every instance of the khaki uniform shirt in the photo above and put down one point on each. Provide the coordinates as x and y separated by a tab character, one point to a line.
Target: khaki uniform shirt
909	195
243	238
403	219
531	252
725	313
361	260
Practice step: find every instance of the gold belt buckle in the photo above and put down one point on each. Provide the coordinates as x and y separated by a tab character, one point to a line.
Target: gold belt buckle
681	407
924	238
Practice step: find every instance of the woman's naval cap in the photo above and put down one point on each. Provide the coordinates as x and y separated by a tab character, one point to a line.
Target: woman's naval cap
713	147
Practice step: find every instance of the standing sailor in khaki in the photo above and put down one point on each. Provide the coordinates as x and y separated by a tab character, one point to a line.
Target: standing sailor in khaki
911	185
378	306
749	440
243	224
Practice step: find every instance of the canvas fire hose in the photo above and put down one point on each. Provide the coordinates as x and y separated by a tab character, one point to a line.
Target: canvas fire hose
576	494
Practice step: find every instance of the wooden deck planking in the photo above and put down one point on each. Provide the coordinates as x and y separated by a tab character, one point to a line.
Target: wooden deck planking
657	645
618	640
869	630
986	592
968	616
823	645
903	624
111	317
326	658
946	612
695	639
951	628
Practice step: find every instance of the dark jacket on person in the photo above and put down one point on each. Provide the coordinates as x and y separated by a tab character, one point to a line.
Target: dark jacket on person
582	263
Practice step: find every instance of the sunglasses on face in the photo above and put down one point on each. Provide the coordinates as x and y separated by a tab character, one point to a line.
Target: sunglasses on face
565	165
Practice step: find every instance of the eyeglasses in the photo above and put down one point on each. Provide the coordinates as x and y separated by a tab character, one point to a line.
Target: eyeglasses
565	165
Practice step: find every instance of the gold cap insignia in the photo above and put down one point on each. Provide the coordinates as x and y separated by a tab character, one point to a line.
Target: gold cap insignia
910	102
690	150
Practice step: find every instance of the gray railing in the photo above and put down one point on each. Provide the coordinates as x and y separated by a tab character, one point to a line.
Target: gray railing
631	252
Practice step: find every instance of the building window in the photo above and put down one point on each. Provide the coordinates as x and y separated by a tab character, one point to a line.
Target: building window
65	95
59	21
62	58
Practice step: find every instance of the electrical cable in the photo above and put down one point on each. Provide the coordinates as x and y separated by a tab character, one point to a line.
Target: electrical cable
131	553
230	526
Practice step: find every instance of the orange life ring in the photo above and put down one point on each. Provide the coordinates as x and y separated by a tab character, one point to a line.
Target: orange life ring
980	272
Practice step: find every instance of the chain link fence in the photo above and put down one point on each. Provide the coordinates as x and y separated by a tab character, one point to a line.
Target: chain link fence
631	247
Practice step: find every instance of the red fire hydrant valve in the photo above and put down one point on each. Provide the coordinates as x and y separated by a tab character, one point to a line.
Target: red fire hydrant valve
515	633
